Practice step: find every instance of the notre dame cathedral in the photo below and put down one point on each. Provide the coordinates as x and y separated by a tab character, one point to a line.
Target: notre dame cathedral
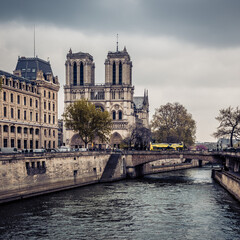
114	96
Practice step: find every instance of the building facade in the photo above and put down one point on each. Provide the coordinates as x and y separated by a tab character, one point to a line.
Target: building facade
29	106
116	95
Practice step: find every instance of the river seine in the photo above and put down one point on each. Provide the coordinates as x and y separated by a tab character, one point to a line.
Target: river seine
178	205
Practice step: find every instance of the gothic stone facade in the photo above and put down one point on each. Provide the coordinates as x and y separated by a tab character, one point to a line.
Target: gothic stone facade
115	96
29	106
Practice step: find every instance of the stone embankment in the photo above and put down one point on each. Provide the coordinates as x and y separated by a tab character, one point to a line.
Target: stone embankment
23	176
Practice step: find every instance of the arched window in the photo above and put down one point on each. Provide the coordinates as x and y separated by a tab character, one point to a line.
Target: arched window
75	74
120	73
81	74
120	115
114	74
19	130
114	115
12	129
37	131
5	128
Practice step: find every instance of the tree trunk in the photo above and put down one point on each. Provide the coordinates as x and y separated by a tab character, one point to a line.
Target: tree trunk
231	138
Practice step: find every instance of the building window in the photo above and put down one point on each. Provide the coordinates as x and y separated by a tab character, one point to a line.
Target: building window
45	132
19	130
36	144
45	105
5	128
12	115
54	133
120	73
18	99
31	144
25	101
36	117
53	107
30	116
120	115
11	97
75	74
49	106
113	94
25	130
12	129
114	115
114	74
49	95
5	111
19	114
30	102
45	118
53	119
4	96
53	95
81	75
49	132
12	143
19	143
25	115
37	131
25	144
54	144
49	118
36	103
5	142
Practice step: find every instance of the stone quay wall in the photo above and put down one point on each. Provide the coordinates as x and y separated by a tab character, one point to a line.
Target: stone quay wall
24	176
229	181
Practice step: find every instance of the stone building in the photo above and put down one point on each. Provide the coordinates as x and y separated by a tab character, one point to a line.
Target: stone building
116	95
29	106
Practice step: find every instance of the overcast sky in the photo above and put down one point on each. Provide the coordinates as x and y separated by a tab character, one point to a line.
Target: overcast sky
185	51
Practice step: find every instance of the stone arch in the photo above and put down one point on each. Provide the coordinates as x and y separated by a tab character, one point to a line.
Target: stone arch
100	106
76	141
115	140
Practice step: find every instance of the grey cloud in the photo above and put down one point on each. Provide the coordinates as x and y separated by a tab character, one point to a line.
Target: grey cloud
205	22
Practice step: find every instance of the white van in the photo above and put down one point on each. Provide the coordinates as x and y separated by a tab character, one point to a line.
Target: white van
64	149
8	150
40	150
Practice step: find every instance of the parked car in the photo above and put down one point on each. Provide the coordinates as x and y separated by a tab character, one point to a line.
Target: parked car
64	149
40	150
8	150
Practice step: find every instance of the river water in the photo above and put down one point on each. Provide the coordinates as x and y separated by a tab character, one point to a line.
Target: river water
185	204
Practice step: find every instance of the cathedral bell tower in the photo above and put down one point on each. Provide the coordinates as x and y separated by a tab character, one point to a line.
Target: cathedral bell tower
118	68
79	69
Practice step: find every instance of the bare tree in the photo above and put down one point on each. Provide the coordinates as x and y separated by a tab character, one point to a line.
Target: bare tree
139	137
229	124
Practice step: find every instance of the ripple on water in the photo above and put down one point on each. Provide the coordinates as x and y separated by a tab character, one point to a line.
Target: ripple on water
178	205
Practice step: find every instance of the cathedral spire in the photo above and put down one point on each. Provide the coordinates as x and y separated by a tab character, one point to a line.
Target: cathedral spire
117	42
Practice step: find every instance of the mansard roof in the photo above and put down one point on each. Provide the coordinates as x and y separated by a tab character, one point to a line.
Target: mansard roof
14	77
30	66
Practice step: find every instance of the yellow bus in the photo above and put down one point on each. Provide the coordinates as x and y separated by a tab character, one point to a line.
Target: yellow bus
165	146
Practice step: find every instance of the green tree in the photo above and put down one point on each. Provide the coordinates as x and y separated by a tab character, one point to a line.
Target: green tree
88	121
229	127
172	123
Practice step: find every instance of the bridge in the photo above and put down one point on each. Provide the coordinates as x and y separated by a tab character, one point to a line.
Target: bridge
137	162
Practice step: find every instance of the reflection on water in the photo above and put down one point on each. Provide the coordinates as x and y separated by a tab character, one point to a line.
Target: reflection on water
178	205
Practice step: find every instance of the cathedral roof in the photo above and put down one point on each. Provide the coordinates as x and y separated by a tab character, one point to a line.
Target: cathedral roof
79	55
138	102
